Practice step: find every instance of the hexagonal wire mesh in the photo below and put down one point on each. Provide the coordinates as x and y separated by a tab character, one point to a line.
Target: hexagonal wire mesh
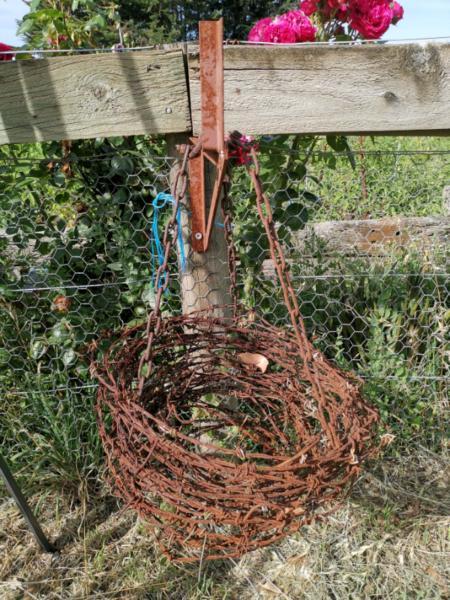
364	232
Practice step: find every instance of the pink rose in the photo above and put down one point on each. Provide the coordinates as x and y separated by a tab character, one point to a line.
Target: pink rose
341	6
301	25
328	8
6	48
258	30
398	13
309	7
289	28
371	18
280	32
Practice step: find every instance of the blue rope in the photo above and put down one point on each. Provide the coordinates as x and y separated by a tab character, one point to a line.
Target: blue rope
157	250
159	203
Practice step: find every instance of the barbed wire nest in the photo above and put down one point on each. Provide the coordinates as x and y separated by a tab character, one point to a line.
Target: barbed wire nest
228	449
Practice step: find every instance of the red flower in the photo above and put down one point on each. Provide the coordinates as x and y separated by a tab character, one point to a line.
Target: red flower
329	8
371	18
258	30
309	7
289	28
300	24
6	48
398	12
239	148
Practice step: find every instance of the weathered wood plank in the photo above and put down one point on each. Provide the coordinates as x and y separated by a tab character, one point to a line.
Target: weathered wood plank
336	89
77	97
372	239
361	89
375	237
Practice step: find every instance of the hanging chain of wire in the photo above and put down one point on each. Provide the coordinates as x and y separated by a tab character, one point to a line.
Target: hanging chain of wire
290	298
179	188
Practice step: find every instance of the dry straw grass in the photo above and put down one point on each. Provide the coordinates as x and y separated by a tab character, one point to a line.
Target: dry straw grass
390	540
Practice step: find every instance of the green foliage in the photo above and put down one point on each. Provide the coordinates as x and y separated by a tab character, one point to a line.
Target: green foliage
387	321
51	437
387	181
74	261
89	225
64	24
74	23
283	161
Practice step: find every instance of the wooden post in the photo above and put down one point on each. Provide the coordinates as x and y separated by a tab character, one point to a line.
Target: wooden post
205	282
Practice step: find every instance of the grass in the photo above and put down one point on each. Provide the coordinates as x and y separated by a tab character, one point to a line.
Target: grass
54	431
383	185
389	540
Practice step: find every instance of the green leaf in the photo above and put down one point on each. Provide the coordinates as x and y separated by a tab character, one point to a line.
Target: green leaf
299	171
310	196
296	216
59	334
46	15
97	22
122	164
43	247
148	296
26	26
337	142
59	179
294	209
59	224
115	266
38	348
5	356
69	357
140	311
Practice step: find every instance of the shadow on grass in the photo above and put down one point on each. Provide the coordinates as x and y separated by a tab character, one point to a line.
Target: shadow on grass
401	490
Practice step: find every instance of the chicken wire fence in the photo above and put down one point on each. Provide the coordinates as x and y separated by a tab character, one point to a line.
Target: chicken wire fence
365	234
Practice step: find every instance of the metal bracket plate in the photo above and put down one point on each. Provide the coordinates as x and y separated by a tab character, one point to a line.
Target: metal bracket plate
212	136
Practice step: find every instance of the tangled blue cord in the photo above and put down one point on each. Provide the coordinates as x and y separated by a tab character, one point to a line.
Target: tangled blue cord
157	250
159	203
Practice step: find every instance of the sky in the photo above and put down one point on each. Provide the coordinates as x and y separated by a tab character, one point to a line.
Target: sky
423	19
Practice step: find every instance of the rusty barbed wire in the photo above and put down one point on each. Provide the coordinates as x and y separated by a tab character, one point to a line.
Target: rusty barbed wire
179	188
234	435
219	479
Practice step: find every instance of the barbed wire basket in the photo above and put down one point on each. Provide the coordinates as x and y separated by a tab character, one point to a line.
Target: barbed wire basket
226	434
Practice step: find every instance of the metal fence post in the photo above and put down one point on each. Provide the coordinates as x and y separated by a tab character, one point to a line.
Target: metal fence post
16	493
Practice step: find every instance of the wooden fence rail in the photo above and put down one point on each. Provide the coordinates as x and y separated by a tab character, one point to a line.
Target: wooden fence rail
382	89
89	96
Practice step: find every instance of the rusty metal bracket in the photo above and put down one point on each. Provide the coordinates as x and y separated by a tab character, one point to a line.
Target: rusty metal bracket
212	136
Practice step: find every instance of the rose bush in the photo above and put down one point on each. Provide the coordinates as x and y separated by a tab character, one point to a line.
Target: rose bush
329	19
